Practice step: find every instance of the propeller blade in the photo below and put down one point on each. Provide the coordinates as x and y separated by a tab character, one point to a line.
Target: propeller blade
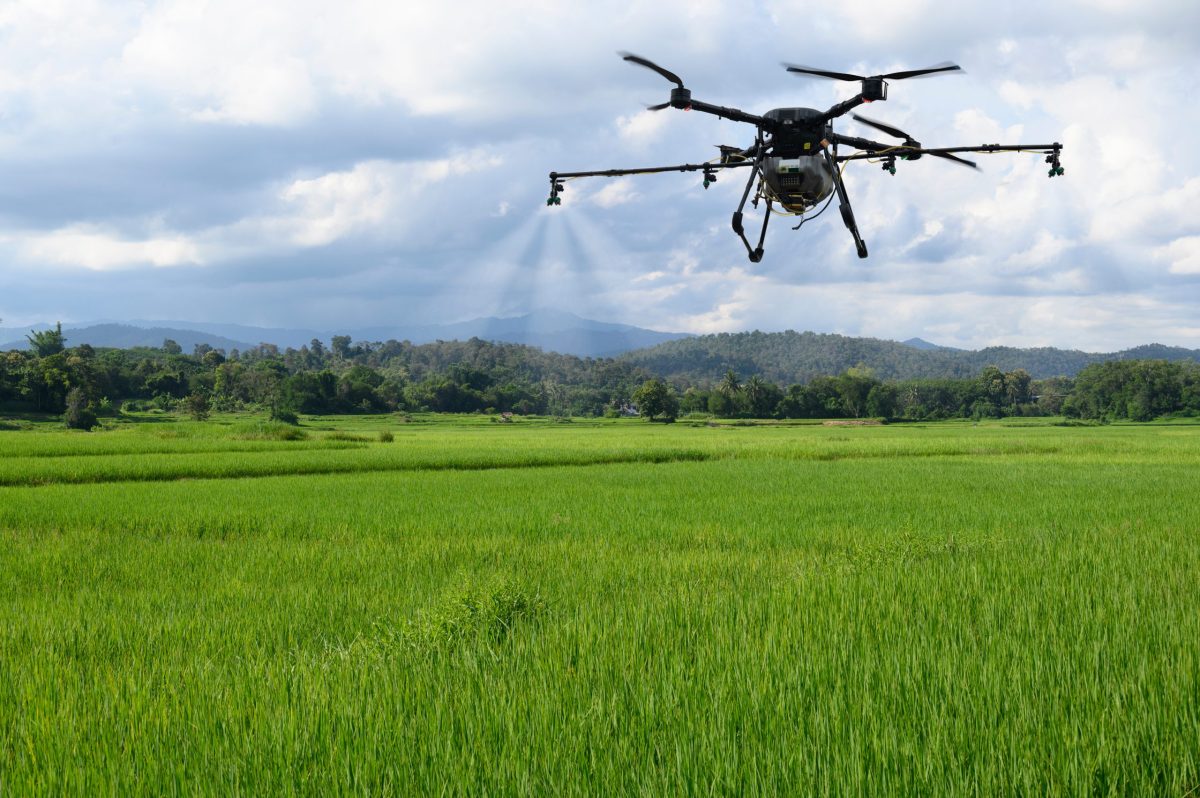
891	131
824	73
658	107
637	59
945	66
952	157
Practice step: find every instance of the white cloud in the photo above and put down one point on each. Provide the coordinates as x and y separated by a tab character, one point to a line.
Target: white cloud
614	193
1183	254
374	198
225	62
643	127
98	249
650	277
1046	249
380	199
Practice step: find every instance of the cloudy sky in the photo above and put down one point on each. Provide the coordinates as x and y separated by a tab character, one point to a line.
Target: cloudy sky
339	165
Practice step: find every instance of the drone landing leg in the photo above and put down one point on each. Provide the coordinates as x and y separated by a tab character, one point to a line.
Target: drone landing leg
844	207
754	254
757	254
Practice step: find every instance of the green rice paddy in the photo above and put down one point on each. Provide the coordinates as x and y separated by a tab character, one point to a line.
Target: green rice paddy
599	608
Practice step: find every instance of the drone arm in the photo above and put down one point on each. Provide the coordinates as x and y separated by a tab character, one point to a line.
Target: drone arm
733	114
650	170
843	108
1046	149
709	169
859	144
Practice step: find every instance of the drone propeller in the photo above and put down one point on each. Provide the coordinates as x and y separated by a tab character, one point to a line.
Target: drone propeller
907	73
909	141
729	153
648	64
680	97
891	131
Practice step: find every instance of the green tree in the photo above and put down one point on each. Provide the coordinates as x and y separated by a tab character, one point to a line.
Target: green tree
762	397
656	400
854	386
47	342
721	404
729	385
341	346
993	385
882	400
46	382
1018	388
799	402
694	401
356	388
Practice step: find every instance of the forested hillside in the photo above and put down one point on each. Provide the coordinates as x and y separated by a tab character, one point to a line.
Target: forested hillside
792	357
83	382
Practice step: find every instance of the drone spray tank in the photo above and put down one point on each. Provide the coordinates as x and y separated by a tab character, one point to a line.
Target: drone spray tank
794	174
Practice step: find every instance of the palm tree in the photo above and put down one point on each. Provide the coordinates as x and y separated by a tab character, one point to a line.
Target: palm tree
755	389
729	384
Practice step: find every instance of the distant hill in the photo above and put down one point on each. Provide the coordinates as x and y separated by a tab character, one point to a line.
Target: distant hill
921	343
551	330
125	336
790	357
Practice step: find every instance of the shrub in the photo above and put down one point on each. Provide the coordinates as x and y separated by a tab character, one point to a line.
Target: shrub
284	414
386	436
79	413
268	431
197	406
108	407
338	435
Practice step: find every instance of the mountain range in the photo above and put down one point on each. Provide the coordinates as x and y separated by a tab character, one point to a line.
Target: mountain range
781	357
548	329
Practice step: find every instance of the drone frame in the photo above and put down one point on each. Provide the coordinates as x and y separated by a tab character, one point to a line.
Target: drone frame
873	88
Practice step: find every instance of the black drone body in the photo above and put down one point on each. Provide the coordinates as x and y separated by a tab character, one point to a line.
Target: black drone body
794	158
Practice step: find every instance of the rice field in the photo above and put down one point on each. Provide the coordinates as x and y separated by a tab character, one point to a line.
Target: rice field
599	608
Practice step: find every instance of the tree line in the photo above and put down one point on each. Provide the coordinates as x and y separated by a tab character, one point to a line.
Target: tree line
480	376
790	357
1134	390
343	377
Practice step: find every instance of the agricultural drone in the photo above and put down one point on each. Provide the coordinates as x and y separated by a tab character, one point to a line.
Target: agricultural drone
794	157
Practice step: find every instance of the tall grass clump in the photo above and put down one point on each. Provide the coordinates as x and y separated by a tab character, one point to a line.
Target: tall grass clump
267	431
